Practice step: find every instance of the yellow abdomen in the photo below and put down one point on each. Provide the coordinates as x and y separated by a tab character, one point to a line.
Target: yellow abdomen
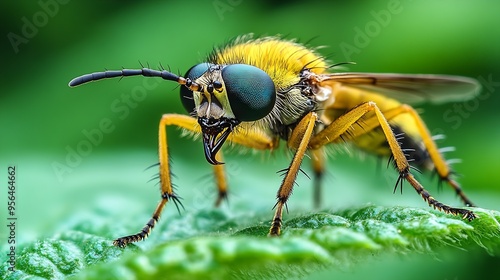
346	98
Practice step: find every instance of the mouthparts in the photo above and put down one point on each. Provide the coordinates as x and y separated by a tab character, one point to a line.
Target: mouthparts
215	133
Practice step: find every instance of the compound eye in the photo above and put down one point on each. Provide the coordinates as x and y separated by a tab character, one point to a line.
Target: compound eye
250	91
193	73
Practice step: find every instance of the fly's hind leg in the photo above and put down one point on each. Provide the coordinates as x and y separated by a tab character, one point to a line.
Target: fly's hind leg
318	166
441	167
220	180
342	124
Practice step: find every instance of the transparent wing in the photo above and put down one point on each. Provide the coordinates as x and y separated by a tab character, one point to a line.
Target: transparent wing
410	88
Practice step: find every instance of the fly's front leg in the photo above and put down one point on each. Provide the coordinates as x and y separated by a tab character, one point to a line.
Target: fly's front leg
166	189
220	179
251	139
342	124
299	140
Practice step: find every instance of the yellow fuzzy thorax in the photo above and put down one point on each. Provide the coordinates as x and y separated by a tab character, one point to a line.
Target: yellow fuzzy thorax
281	59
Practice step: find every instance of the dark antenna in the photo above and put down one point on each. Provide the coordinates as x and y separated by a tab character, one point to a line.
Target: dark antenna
146	72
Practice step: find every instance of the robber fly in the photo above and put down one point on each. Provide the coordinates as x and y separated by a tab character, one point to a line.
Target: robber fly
257	92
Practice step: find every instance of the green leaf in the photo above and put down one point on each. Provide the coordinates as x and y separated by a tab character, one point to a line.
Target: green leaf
218	244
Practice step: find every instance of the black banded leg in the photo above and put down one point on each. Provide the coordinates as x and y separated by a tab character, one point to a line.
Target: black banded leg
276	223
441	166
146	230
334	131
464	213
458	190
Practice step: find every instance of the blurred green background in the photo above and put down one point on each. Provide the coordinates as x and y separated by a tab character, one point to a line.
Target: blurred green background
62	171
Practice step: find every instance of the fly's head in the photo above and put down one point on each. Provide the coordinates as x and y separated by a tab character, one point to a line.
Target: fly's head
222	97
